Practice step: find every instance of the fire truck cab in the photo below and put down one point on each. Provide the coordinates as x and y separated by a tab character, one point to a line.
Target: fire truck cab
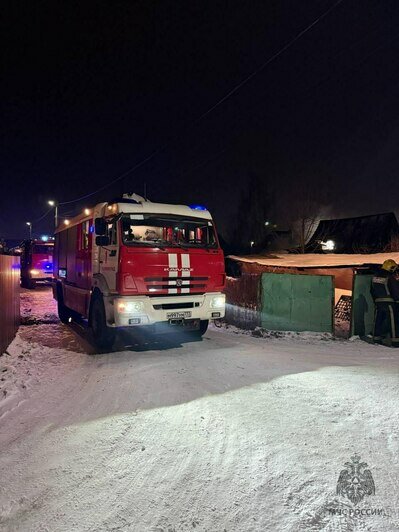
134	263
36	262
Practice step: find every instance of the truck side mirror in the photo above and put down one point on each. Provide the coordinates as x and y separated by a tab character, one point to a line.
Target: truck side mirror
100	226
102	240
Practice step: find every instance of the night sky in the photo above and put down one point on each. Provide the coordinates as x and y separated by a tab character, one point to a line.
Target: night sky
91	89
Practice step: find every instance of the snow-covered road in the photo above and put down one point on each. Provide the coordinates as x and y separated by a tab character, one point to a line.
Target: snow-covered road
231	433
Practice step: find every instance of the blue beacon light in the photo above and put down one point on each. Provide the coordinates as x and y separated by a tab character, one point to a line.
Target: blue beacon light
198	208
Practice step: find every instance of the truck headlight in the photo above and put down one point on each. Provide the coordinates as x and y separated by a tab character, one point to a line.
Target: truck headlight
218	301
129	307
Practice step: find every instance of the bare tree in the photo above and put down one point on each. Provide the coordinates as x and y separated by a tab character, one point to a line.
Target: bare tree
308	216
251	226
305	206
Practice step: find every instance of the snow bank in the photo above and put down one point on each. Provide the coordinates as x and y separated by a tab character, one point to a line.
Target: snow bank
259	332
27	364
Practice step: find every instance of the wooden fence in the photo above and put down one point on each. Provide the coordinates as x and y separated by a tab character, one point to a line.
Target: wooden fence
9	299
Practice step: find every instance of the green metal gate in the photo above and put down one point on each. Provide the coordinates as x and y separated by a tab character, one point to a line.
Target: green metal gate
293	302
362	322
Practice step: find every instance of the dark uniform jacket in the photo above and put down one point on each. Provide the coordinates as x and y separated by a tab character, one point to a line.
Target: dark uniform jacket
385	287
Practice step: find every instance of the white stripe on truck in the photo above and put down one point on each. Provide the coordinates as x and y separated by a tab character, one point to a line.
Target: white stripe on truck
185	271
172	258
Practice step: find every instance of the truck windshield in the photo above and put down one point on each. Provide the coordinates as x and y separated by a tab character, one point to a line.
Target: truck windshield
167	230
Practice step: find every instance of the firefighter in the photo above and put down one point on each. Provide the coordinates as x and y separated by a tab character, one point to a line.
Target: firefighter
385	292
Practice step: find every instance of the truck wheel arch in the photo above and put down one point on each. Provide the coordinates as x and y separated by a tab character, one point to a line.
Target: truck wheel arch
100	284
59	291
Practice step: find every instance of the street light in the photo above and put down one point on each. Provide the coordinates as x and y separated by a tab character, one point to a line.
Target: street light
54	204
29	224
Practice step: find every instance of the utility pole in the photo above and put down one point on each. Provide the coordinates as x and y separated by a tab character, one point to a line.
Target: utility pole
29	224
54	204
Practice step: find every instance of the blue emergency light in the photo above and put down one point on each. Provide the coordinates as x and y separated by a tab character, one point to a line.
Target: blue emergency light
198	208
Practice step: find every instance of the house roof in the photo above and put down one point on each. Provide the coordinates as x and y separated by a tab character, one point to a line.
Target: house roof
316	260
360	234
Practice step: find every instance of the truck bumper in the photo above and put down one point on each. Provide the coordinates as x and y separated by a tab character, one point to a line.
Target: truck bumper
41	276
130	311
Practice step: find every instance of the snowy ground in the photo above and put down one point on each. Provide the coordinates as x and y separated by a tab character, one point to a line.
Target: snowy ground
232	433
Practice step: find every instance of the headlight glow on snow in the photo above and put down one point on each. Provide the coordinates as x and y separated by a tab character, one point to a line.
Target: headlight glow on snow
130	306
34	272
218	301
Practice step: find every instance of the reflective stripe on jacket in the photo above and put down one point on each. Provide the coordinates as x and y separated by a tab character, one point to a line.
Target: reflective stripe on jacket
380	289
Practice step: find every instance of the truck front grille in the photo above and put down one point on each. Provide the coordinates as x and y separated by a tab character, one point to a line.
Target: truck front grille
159	284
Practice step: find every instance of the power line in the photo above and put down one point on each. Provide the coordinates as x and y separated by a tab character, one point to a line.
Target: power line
266	63
141	163
41	217
234	90
217	154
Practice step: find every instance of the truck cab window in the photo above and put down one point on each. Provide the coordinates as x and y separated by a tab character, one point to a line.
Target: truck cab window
167	230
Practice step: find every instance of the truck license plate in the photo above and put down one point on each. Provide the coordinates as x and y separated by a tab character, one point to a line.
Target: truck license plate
178	315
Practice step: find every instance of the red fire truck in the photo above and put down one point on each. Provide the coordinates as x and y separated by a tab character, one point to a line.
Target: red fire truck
132	263
36	262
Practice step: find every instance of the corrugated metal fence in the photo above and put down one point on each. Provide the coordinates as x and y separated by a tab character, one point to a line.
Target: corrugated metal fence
9	298
294	302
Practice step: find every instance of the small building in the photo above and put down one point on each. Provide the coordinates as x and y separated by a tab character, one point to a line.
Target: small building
377	233
301	291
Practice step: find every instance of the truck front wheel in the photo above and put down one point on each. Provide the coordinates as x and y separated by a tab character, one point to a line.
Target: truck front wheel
27	282
202	328
103	335
31	284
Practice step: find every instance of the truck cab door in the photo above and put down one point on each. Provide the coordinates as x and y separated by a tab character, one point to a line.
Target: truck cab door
109	256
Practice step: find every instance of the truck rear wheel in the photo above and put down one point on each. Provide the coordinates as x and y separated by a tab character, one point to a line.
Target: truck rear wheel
103	335
64	313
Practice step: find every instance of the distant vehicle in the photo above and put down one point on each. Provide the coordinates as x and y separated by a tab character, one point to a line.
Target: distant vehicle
133	263
36	262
